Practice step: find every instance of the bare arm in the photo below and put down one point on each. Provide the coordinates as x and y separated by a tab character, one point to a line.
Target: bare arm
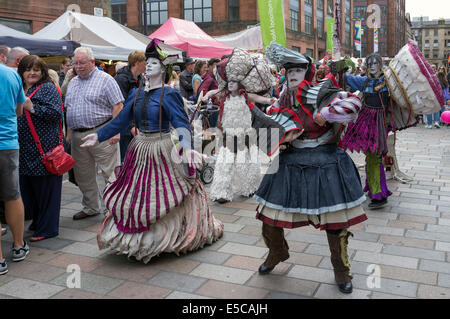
117	108
261	99
19	109
210	94
196	86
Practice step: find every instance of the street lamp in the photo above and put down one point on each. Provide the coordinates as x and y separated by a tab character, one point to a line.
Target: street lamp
144	2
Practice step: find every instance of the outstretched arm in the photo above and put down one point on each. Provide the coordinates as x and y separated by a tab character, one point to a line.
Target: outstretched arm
210	94
261	99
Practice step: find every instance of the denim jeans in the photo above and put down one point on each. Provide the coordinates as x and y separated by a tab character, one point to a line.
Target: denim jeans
435	117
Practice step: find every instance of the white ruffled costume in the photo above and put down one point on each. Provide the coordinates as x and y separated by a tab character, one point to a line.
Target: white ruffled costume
240	173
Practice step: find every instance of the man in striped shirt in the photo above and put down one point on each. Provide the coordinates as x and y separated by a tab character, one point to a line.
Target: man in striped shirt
93	99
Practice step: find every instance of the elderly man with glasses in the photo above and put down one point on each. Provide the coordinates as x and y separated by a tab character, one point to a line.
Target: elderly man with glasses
93	99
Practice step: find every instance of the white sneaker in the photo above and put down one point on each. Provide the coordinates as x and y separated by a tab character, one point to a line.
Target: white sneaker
436	125
428	126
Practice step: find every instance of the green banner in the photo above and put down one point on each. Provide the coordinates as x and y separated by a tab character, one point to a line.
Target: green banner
330	34
272	21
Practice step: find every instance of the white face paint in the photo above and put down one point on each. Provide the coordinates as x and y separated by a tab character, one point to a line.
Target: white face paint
375	68
233	87
295	76
153	67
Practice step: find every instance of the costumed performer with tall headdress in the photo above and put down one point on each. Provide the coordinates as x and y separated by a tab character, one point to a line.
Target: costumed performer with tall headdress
154	205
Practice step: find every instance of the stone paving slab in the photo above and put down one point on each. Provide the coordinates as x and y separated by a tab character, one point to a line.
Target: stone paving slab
408	239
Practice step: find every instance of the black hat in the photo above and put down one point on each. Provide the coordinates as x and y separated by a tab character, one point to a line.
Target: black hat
189	61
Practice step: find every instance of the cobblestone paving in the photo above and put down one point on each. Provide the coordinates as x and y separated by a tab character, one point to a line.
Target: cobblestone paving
409	240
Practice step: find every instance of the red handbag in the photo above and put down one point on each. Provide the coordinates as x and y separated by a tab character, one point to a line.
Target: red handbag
56	161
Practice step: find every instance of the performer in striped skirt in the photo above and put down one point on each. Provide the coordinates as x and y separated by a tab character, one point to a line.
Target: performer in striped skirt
155	203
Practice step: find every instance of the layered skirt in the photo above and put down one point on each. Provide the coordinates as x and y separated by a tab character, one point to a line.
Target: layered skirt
154	206
368	133
236	173
319	186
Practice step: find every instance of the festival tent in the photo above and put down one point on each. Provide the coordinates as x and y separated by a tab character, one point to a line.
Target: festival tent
188	36
249	39
108	39
41	47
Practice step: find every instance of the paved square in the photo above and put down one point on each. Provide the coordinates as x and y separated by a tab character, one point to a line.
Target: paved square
409	241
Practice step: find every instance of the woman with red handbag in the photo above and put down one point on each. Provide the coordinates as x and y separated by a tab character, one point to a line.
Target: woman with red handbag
41	189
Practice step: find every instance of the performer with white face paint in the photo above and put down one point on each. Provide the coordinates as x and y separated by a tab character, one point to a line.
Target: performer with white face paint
154	205
316	183
369	133
237	170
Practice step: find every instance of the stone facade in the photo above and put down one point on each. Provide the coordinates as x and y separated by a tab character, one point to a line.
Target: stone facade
433	38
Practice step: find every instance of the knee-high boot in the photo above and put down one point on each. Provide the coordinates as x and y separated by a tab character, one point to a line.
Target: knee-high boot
338	243
278	247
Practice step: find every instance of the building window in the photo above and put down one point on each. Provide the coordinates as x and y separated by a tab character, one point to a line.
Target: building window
296	49
436	44
435	32
157	12
330	8
310	52
233	10
294	8
17	24
293	20
427	43
308	17
320	28
307	24
119	11
320	5
198	10
427	33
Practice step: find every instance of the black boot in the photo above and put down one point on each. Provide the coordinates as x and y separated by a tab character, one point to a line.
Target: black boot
378	203
278	248
338	242
222	200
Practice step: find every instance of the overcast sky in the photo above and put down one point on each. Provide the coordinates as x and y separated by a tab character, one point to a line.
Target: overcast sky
434	9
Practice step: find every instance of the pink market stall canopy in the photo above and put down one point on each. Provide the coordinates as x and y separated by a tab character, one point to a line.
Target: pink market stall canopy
186	35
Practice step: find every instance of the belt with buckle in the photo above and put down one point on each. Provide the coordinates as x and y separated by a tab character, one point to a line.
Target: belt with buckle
82	130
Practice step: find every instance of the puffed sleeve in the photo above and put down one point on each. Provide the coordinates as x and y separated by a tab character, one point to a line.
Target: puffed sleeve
120	121
173	106
271	129
355	82
343	109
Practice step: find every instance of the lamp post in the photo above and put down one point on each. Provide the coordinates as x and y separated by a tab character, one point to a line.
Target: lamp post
144	2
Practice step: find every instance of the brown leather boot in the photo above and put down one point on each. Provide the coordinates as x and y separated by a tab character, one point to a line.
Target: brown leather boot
338	242
278	248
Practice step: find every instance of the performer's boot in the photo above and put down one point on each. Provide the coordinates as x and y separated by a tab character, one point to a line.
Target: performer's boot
338	242
278	248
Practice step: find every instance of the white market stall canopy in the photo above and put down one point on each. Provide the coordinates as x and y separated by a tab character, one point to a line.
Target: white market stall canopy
108	39
249	39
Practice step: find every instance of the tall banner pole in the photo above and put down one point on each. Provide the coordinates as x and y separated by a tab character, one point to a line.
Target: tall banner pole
337	29
272	22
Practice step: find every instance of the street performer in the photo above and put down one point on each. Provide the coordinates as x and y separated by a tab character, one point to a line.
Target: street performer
316	183
379	116
155	204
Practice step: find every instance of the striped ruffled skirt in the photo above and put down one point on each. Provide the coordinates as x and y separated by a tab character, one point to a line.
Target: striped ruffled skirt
153	206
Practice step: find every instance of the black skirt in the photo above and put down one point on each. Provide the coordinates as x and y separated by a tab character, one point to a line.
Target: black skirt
312	181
